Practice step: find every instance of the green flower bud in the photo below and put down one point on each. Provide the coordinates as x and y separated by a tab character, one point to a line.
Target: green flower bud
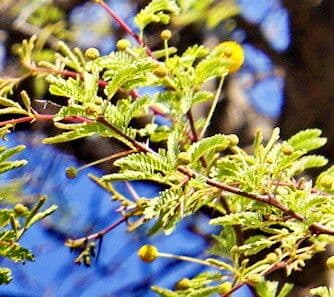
183	284
141	203
183	158
160	71
254	279
271	258
20	209
166	35
123	44
92	110
270	160
98	100
225	288
234	139
326	181
287	149
330	262
71	172
92	53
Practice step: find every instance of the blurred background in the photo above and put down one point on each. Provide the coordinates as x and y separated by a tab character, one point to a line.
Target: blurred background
287	81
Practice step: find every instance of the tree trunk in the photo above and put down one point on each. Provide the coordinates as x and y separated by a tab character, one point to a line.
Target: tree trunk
310	70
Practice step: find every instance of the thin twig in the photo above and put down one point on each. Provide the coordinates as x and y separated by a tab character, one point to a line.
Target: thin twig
213	108
107	158
192	126
235	288
124	26
44	117
316	228
104	231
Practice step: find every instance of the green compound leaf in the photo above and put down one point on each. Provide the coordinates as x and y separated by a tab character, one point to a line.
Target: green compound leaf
191	292
307	140
307	162
5	275
241	218
322	292
11	249
5	217
6	166
321	180
86	130
267	289
41	215
157	11
10	152
203	147
82	130
285	290
129	76
9	103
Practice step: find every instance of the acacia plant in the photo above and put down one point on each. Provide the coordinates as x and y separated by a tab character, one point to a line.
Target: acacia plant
271	215
15	218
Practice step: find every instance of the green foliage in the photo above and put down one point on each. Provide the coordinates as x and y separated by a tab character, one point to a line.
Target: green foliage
270	289
322	292
200	286
261	198
15	221
207	145
212	13
157	11
5	275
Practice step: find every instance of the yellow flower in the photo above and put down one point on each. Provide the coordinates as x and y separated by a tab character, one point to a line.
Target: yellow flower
148	253
234	53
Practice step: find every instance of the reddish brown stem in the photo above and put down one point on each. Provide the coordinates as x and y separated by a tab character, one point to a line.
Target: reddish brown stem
192	126
44	117
124	26
104	231
235	288
67	73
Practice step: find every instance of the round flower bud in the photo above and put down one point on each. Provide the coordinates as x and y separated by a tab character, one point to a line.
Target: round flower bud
319	291
327	181
183	284
141	203
71	172
234	139
271	258
234	52
234	250
92	53
98	100
270	160
123	44
225	288
287	149
160	71
148	253
166	35
254	279
183	158
20	209
92	110
330	262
